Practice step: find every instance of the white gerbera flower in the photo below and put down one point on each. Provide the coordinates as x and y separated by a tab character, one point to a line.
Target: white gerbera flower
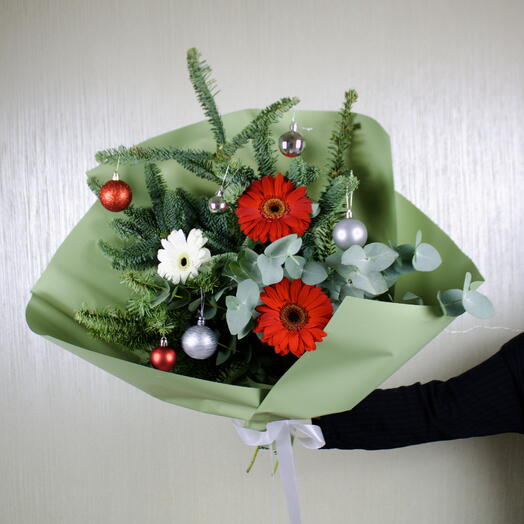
181	258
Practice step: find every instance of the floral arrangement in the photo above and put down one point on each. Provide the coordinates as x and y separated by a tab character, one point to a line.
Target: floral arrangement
256	262
264	262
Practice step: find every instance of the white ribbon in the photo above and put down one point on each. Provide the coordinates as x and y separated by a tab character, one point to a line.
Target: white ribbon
279	432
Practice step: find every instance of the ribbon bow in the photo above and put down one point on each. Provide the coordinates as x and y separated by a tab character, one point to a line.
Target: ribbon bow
279	432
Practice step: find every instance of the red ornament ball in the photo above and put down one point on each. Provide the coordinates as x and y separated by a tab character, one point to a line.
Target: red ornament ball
163	357
115	195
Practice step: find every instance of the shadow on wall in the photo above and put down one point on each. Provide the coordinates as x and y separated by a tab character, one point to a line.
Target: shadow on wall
504	455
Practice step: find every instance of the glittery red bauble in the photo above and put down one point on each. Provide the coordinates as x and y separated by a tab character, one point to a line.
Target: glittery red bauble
163	358
115	195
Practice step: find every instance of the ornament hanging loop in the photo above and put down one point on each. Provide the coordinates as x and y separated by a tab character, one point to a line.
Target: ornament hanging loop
221	190
201	318
349	203
115	172
217	203
294	125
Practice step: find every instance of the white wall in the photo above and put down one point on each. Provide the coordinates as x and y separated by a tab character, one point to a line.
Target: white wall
445	78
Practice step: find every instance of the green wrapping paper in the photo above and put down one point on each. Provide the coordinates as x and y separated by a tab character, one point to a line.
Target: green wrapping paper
367	340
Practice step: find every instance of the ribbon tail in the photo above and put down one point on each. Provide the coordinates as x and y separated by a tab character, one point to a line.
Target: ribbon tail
287	474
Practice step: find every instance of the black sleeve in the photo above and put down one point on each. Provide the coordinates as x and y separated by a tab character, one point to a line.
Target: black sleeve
485	400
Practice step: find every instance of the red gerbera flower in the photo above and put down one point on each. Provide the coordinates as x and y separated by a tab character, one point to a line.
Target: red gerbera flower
293	316
272	208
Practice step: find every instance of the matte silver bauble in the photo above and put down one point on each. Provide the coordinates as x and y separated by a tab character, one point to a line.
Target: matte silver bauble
217	204
199	341
349	232
291	143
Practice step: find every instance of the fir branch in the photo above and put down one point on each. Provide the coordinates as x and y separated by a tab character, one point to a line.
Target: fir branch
210	274
143	219
155	184
265	118
135	154
323	239
208	281
157	321
145	283
139	223
243	175
302	173
114	326
342	136
127	229
138	256
156	187
94	185
179	210
333	199
264	148
205	89
198	162
332	204
222	230
234	369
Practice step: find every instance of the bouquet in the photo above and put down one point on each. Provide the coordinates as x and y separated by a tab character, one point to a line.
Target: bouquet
238	268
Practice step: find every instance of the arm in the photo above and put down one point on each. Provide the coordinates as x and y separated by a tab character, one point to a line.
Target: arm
485	400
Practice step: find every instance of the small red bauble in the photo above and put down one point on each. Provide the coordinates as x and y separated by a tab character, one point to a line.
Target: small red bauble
163	357
115	195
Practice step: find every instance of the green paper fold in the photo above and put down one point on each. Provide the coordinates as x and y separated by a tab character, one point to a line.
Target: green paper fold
367	340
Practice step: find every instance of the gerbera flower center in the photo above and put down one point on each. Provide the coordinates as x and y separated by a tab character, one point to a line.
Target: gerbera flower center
183	261
293	316
273	208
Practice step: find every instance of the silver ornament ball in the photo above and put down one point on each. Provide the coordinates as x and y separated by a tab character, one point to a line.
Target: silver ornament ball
291	143
217	204
349	232
199	341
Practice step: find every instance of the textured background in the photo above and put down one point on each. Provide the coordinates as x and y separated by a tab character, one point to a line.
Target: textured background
445	79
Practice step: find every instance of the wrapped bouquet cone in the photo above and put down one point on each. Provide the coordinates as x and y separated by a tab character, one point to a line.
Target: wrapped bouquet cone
366	340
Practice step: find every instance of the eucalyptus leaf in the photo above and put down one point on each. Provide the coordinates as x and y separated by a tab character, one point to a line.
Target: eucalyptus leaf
332	285
247	261
350	291
237	271
411	296
232	302
404	263
246	329
342	270
294	266
467	282
334	260
210	312
391	275
314	273
380	256
194	305
355	256
426	258
223	355
270	269
373	282
248	293
451	302
237	319
162	296
315	209
220	292
477	304
284	247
